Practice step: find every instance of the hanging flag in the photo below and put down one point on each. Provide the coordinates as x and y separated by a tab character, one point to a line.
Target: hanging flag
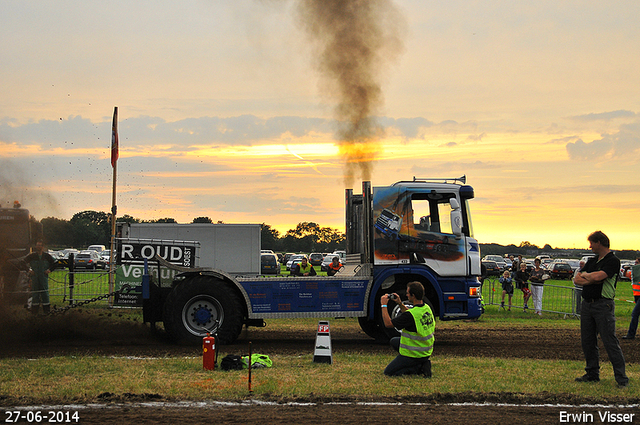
114	138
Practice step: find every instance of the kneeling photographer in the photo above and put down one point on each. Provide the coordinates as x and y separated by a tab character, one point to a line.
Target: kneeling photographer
417	327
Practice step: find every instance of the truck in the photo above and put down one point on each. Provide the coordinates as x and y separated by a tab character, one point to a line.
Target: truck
418	230
18	234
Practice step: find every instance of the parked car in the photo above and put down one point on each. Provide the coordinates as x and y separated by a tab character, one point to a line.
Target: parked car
97	248
63	257
546	263
586	258
491	268
105	256
315	258
497	259
560	270
295	259
327	260
625	270
88	260
530	265
509	264
341	254
269	264
287	257
575	264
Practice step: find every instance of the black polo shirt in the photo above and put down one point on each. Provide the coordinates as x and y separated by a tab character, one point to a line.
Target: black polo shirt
610	264
406	321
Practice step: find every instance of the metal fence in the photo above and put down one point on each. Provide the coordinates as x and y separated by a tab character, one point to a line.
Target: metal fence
556	298
70	287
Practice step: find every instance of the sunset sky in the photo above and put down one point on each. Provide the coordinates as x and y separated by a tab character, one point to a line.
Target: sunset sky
224	111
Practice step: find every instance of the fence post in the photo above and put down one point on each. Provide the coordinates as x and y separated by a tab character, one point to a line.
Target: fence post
577	300
71	276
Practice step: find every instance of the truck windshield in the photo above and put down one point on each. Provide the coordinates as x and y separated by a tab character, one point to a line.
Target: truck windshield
466	211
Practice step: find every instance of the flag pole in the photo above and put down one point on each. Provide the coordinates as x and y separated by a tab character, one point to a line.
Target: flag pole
114	209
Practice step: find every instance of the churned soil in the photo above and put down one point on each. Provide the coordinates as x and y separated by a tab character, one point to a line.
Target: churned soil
101	332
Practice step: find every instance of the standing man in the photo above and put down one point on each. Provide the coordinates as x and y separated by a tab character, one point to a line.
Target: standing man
41	264
537	278
417	326
635	314
598	280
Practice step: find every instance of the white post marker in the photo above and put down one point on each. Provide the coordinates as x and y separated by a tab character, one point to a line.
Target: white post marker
322	353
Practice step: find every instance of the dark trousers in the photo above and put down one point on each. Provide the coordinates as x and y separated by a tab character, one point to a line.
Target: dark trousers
598	317
635	315
403	365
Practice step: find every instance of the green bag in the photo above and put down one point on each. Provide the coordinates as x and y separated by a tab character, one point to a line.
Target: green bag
257	361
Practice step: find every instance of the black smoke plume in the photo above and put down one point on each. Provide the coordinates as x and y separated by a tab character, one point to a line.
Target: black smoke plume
356	41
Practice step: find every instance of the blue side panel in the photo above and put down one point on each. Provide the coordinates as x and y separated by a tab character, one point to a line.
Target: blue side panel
452	293
313	296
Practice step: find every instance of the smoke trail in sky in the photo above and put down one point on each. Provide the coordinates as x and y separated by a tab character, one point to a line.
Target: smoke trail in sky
357	40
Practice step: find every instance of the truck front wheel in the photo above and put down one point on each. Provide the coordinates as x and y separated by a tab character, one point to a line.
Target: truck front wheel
203	305
372	329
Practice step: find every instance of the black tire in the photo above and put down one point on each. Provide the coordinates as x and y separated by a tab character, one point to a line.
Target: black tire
200	305
372	328
395	311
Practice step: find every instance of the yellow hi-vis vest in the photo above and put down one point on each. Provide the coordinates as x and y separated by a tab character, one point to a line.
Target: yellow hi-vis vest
420	343
304	270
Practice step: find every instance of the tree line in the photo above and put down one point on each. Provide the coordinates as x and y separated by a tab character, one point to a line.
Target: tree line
94	228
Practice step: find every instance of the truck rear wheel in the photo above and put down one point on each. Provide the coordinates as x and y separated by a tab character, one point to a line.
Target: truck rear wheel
200	305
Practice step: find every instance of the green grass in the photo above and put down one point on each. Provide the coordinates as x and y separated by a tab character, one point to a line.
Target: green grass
70	379
356	374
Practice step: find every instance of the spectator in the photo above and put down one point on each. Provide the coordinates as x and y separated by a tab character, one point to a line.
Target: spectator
41	263
507	288
598	280
417	325
537	278
522	282
516	264
635	314
577	289
334	267
303	268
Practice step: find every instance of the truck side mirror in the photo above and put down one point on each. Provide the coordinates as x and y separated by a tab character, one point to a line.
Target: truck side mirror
456	217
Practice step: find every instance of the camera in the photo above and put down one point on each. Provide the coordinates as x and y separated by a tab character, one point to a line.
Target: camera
392	296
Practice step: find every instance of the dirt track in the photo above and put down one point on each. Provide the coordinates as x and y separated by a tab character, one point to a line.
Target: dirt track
83	334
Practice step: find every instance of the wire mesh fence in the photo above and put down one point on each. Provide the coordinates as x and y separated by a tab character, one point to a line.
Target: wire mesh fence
562	299
69	287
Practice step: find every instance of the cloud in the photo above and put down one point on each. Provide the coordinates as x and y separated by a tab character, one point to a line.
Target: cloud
62	132
604	116
77	132
562	140
624	143
411	128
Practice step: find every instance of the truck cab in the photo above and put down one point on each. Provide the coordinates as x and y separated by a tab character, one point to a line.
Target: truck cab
421	230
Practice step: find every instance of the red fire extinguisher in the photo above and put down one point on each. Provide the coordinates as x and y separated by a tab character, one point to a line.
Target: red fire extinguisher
208	352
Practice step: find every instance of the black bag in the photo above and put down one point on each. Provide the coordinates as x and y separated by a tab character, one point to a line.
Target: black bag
231	362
